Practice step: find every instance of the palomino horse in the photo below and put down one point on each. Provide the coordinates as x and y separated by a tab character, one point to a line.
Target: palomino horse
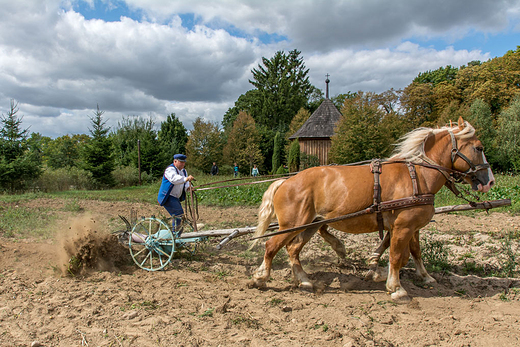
330	191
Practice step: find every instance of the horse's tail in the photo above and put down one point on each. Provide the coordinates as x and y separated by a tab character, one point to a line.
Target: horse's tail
266	211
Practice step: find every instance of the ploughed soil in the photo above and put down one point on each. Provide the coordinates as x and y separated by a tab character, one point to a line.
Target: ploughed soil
79	287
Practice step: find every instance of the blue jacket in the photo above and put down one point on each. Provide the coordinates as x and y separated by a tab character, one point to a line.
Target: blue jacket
166	188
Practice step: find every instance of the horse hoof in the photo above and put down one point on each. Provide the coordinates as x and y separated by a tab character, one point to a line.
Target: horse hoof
380	275
429	280
369	275
400	296
256	284
342	262
307	287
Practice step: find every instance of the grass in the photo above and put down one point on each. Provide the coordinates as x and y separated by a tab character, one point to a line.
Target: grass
507	187
19	221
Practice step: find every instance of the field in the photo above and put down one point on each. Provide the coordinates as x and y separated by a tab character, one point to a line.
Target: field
203	299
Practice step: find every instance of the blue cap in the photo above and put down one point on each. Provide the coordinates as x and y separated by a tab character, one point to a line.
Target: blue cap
180	157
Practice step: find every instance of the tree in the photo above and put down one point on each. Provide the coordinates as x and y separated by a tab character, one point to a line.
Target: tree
277	152
294	156
360	133
249	102
283	88
481	118
97	154
243	143
447	74
173	137
298	120
508	137
419	104
64	151
204	145
18	163
125	143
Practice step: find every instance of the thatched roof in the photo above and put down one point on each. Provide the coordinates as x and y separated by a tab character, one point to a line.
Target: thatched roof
321	123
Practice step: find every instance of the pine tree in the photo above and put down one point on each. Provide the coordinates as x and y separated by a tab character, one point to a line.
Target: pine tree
97	152
173	137
18	163
277	151
294	156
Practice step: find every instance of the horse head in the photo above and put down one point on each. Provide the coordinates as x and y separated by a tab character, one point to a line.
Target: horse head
468	158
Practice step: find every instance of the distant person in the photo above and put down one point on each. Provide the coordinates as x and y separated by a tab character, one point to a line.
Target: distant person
175	183
235	170
214	169
254	172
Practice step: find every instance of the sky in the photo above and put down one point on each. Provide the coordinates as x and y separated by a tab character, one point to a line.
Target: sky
60	60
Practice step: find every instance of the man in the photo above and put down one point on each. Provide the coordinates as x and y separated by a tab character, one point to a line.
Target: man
175	183
214	169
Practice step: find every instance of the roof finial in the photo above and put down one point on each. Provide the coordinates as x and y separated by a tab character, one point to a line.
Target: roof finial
327	83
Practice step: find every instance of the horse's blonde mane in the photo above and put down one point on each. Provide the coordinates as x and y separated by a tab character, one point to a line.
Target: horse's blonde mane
411	146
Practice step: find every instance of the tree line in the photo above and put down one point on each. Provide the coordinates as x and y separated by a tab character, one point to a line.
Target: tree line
256	129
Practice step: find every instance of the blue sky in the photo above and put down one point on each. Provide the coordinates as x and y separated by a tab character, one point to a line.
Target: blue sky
150	58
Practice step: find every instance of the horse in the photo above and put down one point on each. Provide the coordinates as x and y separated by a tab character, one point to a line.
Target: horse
326	192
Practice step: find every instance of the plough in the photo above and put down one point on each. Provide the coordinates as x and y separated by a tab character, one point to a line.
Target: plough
152	242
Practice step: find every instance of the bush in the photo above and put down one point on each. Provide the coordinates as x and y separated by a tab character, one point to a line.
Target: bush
128	176
57	180
225	170
308	160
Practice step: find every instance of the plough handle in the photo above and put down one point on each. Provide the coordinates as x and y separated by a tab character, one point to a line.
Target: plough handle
227	239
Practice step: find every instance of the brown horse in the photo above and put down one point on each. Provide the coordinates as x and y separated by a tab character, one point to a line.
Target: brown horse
330	191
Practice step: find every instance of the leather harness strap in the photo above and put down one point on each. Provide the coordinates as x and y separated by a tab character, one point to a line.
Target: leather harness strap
375	168
379	207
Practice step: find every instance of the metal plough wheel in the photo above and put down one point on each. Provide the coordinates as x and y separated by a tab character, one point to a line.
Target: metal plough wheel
151	244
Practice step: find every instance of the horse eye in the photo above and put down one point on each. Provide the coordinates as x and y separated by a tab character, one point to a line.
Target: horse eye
479	149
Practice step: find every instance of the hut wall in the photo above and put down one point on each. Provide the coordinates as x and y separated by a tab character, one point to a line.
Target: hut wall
318	147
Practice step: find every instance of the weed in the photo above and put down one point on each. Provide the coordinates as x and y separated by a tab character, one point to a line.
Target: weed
471	268
249	322
435	255
460	292
221	274
325	327
503	297
207	313
509	260
275	302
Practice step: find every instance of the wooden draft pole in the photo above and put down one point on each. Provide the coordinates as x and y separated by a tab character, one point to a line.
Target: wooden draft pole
486	205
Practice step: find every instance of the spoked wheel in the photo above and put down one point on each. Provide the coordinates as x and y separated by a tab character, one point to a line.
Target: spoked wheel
151	244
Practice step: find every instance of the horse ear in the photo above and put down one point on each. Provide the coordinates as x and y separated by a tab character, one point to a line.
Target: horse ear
461	123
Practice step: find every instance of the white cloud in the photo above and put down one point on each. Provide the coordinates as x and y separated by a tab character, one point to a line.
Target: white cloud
59	65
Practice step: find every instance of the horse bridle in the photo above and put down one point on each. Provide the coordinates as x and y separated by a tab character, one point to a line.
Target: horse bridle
473	169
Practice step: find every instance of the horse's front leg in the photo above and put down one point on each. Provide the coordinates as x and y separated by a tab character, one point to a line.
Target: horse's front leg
399	255
415	249
261	275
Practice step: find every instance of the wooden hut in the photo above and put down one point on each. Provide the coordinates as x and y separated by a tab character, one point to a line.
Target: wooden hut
315	134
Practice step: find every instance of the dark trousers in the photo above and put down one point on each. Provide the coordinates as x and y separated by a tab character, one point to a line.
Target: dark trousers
174	208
